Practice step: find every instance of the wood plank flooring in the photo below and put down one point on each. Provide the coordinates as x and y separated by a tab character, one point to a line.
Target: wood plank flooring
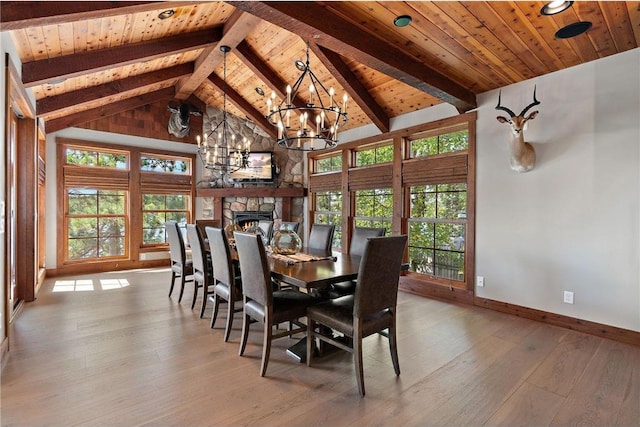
113	350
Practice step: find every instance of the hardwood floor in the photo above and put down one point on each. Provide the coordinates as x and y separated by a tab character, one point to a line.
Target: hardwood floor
113	350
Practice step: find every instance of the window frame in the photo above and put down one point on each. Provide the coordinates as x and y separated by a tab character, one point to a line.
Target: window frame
456	166
136	183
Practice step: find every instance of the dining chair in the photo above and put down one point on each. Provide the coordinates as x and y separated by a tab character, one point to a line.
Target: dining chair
227	284
203	223
370	310
181	267
202	275
261	302
356	247
267	229
290	225
321	236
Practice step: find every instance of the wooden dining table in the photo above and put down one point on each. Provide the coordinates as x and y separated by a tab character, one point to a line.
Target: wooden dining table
318	274
314	276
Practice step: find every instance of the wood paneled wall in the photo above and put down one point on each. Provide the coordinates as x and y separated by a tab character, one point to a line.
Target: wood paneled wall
149	121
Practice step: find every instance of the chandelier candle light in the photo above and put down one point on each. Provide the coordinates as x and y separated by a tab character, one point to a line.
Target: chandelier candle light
220	149
307	124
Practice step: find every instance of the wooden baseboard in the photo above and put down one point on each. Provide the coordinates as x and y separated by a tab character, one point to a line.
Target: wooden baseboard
89	268
433	290
604	331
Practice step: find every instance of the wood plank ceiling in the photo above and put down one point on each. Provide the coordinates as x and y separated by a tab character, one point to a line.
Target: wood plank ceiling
85	60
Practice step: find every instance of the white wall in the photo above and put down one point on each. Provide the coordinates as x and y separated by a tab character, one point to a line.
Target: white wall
573	223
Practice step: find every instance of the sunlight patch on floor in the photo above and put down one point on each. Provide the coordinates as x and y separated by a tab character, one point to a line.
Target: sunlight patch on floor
87	285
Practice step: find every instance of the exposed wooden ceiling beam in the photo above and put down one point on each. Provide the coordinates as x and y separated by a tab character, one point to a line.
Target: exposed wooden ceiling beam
356	90
108	110
16	15
253	61
235	30
45	70
243	105
53	104
317	23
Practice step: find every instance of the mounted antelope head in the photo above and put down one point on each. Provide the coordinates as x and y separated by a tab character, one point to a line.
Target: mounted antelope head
179	120
523	156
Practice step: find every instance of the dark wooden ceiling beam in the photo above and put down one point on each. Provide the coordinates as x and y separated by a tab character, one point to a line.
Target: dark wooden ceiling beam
243	105
234	31
317	23
42	71
16	15
108	110
53	104
253	61
356	90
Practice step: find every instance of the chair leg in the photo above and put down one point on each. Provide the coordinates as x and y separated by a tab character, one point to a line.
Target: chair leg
227	328
195	293
266	345
183	280
214	313
246	321
205	297
310	338
393	347
173	282
357	358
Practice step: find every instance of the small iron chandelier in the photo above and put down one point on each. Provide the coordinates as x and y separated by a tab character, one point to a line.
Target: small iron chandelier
221	150
310	124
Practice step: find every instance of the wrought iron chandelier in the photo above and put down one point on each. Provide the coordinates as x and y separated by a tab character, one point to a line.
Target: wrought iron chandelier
221	150
307	124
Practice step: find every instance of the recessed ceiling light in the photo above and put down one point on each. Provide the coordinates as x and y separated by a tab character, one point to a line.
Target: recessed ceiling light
556	6
166	14
402	21
573	30
259	91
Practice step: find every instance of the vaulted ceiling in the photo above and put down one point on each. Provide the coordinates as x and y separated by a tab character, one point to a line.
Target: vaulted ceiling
86	60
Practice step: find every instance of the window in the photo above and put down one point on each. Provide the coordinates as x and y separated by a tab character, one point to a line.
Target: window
96	223
149	163
373	156
437	227
329	211
417	181
329	164
83	157
438	144
158	209
104	219
374	208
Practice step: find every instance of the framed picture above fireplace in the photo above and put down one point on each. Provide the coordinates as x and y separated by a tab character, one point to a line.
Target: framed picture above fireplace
261	169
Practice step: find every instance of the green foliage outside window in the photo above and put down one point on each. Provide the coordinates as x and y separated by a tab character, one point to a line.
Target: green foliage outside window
447	143
374	208
373	156
329	211
437	228
158	209
329	164
80	157
159	164
96	223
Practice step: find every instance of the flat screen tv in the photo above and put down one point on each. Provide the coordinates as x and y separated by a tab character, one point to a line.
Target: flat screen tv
261	168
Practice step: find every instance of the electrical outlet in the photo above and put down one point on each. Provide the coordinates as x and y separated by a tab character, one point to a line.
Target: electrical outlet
480	281
568	297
